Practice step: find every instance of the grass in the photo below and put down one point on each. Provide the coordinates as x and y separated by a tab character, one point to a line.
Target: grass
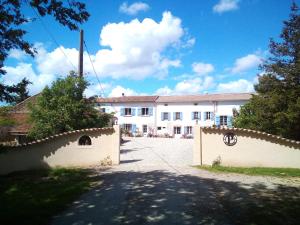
254	171
33	197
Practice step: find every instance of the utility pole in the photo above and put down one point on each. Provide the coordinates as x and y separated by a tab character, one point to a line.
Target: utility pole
80	58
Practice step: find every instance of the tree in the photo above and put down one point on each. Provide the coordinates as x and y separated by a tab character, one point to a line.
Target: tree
62	108
67	13
276	106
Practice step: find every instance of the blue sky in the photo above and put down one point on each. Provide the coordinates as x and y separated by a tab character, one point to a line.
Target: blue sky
156	47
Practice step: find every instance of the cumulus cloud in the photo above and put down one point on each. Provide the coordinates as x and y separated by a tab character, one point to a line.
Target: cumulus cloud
134	8
241	85
245	63
201	68
225	6
119	90
97	89
16	54
135	49
16	74
190	86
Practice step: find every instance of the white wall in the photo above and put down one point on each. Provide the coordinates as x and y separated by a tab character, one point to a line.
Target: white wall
219	108
139	121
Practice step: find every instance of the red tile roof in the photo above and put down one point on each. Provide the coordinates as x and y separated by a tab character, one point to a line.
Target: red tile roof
178	98
129	99
205	97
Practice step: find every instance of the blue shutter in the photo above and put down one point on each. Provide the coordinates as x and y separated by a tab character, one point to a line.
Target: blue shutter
162	116
169	116
181	116
204	116
151	111
139	111
133	111
185	130
122	111
229	121
133	128
199	115
174	116
218	120
192	116
212	116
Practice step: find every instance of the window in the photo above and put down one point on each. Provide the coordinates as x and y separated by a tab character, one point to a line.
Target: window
102	110
127	111
177	130
165	104
177	116
196	115
165	116
208	115
85	140
145	111
128	127
223	120
158	128
145	129
188	130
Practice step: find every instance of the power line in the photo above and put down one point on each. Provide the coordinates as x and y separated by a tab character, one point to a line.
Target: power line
51	35
94	69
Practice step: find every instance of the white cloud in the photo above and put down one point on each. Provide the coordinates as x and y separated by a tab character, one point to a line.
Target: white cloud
245	63
133	50
16	74
136	48
134	8
241	85
164	91
97	89
202	68
16	54
119	90
190	86
225	6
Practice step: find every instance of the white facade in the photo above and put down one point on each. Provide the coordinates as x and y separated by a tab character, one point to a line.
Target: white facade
170	118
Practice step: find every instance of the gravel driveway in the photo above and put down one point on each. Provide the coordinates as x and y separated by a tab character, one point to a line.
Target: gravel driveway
155	184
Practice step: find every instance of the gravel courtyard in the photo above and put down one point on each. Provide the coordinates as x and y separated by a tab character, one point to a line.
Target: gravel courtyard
155	184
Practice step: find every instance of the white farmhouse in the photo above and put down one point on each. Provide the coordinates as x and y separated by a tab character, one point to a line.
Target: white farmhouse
172	115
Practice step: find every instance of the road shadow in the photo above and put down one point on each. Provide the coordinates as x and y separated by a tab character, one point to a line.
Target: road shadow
125	151
163	198
130	161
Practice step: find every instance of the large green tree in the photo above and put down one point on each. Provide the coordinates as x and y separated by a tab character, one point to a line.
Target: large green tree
62	108
12	18
276	106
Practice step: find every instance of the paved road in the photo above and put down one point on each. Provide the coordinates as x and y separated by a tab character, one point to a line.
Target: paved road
155	185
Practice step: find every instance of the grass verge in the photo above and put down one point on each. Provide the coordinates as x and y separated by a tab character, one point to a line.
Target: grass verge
33	197
254	171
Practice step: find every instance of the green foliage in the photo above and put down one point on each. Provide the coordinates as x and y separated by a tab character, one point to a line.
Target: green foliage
62	108
12	20
34	197
276	107
5	120
255	171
